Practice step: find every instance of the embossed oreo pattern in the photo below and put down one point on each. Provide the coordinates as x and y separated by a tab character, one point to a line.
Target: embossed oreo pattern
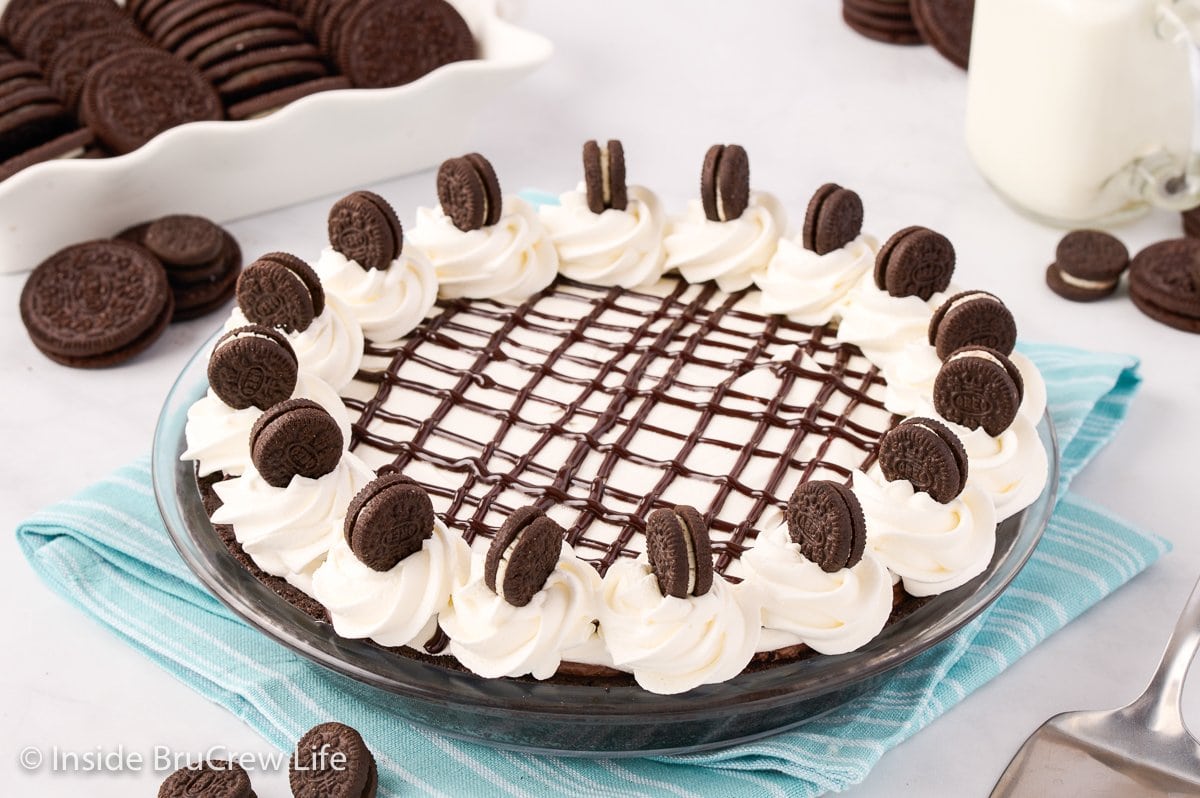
363	227
530	543
295	438
928	454
314	773
826	520
389	519
978	387
252	366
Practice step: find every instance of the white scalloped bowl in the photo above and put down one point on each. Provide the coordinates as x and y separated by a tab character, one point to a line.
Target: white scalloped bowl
319	145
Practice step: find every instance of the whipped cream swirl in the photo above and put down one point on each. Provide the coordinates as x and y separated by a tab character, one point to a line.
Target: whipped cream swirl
1033	392
615	247
730	252
932	547
831	613
1011	467
288	531
808	287
882	325
671	644
387	303
218	436
332	346
394	607
509	261
493	638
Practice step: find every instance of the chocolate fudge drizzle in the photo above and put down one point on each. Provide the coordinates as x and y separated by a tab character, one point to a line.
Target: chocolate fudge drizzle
647	342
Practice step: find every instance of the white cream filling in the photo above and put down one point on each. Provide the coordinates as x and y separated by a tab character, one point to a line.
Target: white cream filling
502	566
605	178
1089	284
690	545
979	353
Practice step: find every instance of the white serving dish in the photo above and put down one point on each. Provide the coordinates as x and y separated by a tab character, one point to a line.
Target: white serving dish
319	145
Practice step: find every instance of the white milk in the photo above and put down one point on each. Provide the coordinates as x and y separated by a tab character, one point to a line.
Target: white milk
1065	95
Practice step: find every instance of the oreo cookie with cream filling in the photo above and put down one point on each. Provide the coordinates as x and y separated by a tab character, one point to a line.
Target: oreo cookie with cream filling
978	387
331	760
604	176
280	290
389	520
1088	265
209	779
825	519
522	555
469	192
295	438
1164	282
252	366
680	551
363	227
834	218
972	318
915	261
725	182
925	452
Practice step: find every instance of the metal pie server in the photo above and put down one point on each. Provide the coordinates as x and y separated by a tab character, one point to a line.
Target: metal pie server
1142	749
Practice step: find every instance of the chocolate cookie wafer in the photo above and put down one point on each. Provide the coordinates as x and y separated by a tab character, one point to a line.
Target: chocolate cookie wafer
833	219
294	438
915	261
826	520
679	548
522	555
209	779
879	22
925	452
972	318
42	33
389	520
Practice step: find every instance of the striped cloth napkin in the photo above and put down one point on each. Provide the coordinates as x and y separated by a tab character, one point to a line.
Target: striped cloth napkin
107	551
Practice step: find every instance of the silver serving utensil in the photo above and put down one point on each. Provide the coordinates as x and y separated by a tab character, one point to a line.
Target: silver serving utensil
1141	749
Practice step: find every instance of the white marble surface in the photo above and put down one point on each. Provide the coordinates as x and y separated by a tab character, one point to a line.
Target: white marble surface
812	102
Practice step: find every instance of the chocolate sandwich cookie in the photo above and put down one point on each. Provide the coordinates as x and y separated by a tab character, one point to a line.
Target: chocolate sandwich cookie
1088	265
96	304
26	127
364	227
389	520
1164	283
826	520
946	24
270	77
15	11
239	23
916	261
280	290
978	387
183	240
972	318
294	438
365	43
252	366
888	29
238	43
522	555
469	192
926	453
133	95
62	146
69	67
680	551
210	779
55	23
263	104
725	182
332	761
235	66
604	176
834	218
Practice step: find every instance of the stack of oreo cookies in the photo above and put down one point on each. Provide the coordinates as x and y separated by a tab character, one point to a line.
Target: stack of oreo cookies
944	24
201	259
1164	283
888	21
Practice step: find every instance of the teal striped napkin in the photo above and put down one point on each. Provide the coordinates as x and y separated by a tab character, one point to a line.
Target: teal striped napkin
107	551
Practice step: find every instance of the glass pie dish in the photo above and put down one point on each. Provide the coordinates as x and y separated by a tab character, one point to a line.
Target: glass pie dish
573	719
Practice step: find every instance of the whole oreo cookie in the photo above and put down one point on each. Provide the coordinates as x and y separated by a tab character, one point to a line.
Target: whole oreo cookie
211	779
522	555
280	290
834	218
1088	265
96	304
725	182
364	228
916	261
366	50
926	453
1164	283
972	318
183	240
946	24
604	176
680	551
294	438
469	192
389	519
978	387
133	95
52	27
332	761
252	366
68	69
827	522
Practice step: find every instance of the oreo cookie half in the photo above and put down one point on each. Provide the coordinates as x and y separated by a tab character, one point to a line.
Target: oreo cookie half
469	192
522	555
210	779
972	318
926	453
295	438
916	261
1088	265
827	522
604	176
389	520
331	760
252	366
363	227
978	387
680	551
725	182
280	290
834	218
